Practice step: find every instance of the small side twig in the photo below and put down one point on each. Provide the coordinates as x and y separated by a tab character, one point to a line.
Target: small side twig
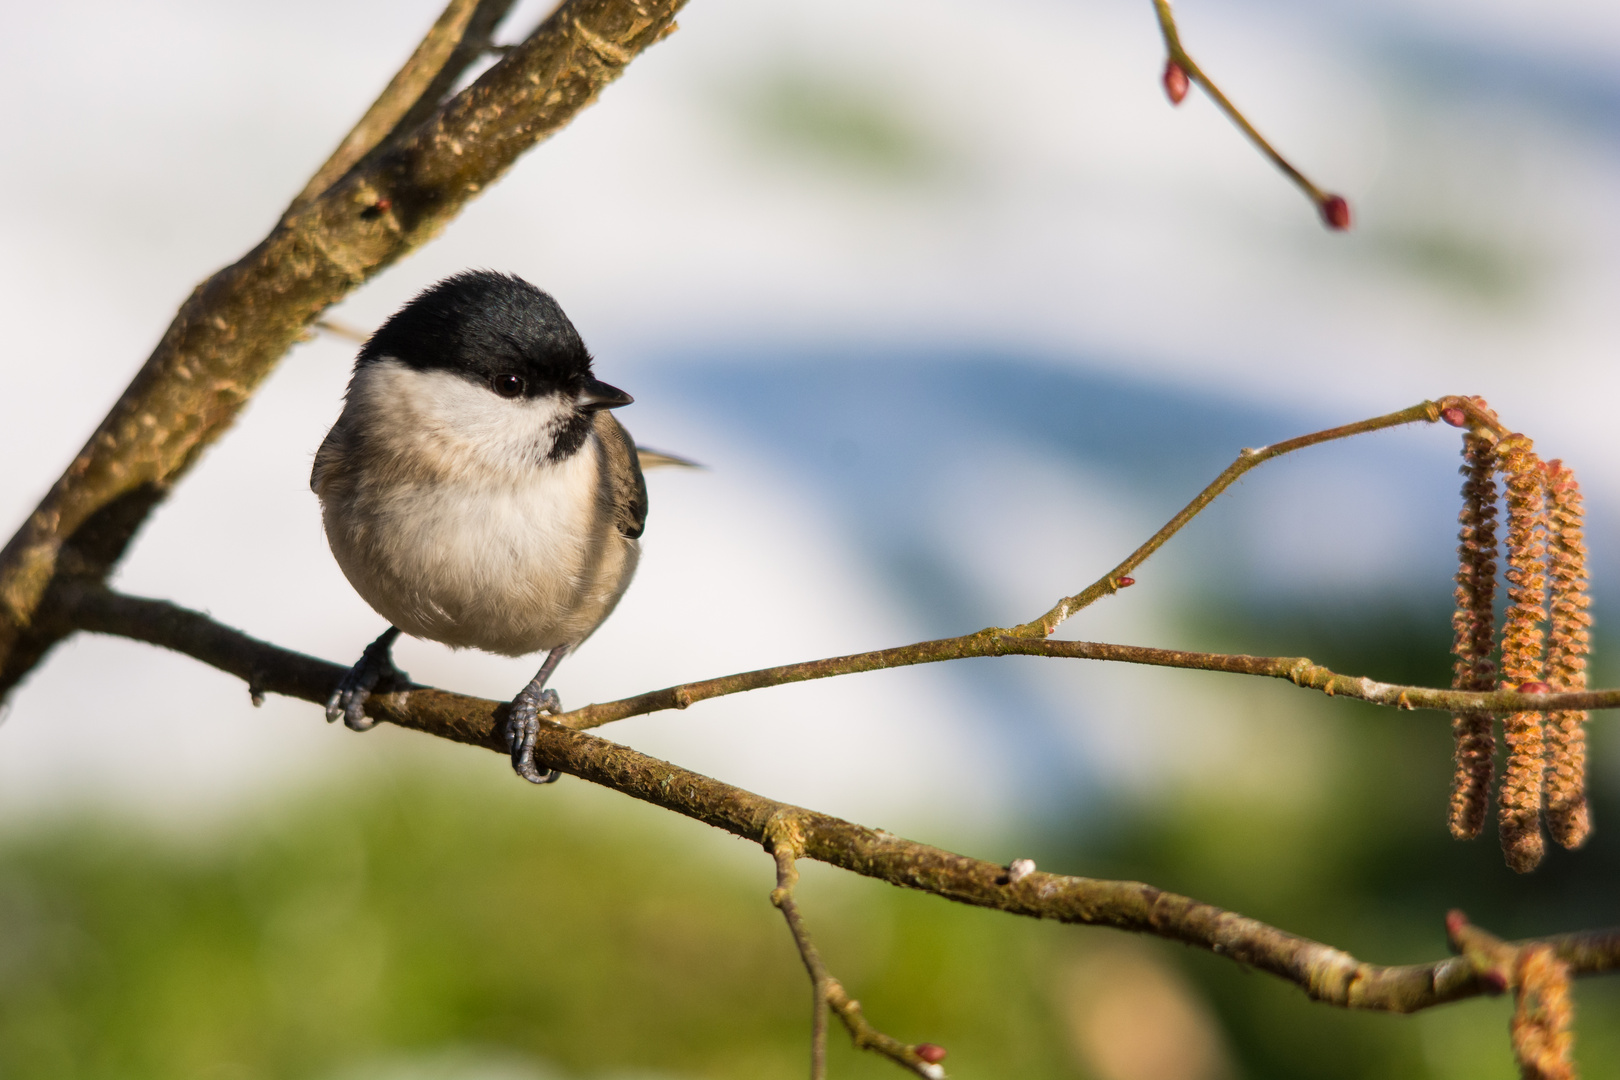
1180	67
1247	459
340	329
828	992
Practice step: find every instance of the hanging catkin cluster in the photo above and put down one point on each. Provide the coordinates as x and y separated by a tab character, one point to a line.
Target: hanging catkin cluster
1546	758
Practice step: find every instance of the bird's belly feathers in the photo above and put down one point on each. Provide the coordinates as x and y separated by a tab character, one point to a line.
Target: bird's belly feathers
509	567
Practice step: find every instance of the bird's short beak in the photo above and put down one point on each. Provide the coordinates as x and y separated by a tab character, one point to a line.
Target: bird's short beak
599	395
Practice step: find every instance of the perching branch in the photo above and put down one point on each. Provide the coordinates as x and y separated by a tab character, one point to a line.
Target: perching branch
231	331
459	37
1180	67
1324	973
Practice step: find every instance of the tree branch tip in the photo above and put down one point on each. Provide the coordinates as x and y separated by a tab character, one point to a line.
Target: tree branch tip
1470	412
1335	212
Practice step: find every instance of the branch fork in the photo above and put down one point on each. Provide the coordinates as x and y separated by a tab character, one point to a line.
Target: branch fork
827	993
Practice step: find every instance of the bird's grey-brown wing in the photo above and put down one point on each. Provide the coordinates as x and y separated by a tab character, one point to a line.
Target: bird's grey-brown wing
329	456
628	490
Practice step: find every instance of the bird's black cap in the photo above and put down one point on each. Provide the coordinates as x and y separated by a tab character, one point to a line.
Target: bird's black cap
487	325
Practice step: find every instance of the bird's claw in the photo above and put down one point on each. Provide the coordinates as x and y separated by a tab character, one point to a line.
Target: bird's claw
374	668
523	728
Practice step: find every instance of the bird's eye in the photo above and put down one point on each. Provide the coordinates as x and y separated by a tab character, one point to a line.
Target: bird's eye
507	385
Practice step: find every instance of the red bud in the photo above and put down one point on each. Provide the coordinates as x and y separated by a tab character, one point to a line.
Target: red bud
1336	212
1494	980
1124	583
1175	82
1534	688
1456	922
930	1053
1454	416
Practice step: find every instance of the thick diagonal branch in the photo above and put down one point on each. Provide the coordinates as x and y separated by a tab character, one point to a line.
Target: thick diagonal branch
236	325
458	38
1324	973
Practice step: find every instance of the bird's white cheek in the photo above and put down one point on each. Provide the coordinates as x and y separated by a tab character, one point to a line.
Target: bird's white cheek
445	415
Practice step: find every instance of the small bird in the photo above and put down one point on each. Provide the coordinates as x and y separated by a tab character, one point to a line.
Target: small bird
477	490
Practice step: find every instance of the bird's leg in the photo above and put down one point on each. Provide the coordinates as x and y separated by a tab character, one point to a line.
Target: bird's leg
375	668
523	721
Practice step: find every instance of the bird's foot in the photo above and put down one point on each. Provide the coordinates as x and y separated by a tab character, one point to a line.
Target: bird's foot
375	668
523	728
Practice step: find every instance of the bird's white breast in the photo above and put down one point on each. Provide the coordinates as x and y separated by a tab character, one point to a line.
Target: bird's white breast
447	515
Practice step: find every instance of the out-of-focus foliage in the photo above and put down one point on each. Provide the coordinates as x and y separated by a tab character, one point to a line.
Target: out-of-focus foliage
439	924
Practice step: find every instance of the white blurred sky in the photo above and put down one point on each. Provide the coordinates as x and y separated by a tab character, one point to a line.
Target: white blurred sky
1053	204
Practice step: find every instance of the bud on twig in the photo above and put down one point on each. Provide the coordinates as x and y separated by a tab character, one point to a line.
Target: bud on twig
1175	82
1336	212
930	1052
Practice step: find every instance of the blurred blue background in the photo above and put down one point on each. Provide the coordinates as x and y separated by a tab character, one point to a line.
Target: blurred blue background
956	310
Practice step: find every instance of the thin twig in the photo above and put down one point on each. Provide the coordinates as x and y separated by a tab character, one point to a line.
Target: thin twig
827	992
1324	973
787	876
1300	670
1109	583
342	330
1333	208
